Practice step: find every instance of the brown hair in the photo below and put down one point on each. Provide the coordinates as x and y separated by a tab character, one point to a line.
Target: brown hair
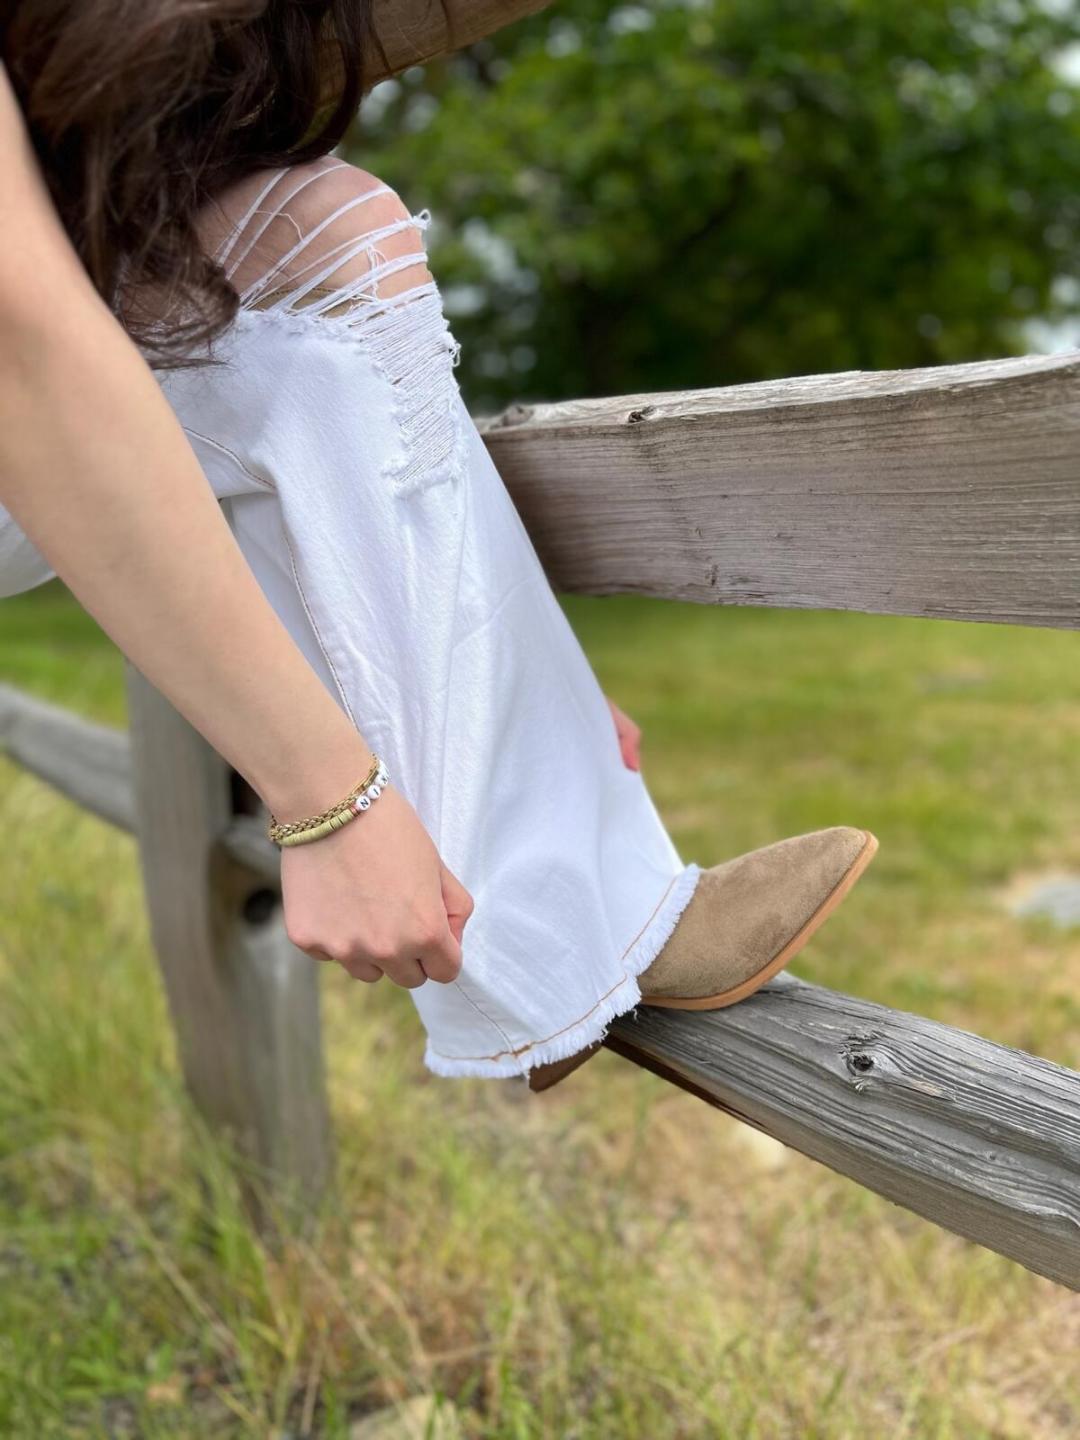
142	110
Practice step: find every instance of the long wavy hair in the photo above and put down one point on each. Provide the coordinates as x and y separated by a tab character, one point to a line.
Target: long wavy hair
140	111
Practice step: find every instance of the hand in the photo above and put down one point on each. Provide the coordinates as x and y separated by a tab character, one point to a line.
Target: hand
376	897
629	736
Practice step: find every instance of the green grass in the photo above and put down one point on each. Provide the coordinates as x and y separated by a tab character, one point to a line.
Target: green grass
609	1260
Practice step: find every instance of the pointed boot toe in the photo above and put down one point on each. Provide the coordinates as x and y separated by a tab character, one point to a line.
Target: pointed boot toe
749	916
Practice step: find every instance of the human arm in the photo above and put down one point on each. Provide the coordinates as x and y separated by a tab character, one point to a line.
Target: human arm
98	473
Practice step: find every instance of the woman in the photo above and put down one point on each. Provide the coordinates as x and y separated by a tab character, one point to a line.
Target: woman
229	420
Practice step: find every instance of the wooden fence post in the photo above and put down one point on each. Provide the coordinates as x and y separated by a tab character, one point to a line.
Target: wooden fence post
244	1000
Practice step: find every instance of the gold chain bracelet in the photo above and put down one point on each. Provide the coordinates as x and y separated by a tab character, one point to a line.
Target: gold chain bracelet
287	832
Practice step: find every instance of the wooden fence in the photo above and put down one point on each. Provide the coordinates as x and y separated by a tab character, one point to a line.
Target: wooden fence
939	492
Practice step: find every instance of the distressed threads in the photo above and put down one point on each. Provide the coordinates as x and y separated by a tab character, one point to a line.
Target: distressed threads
417	354
405	333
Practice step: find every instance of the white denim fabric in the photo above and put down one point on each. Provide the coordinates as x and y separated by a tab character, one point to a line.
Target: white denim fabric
358	487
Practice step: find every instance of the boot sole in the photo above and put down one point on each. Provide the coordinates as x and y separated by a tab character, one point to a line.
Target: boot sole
791	949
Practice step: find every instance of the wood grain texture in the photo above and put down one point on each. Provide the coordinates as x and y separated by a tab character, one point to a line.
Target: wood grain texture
88	763
247	842
414	31
244	1000
91	764
950	491
980	1138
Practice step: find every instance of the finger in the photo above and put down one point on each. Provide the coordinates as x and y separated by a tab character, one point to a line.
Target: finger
457	901
409	974
441	959
365	970
631	750
629	736
629	743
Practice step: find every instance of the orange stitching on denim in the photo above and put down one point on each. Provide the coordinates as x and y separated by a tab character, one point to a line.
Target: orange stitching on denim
460	988
217	445
625	976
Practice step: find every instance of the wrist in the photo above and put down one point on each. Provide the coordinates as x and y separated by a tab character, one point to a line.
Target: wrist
361	796
316	780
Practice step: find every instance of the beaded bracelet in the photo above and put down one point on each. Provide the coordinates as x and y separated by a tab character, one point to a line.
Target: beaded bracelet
301	832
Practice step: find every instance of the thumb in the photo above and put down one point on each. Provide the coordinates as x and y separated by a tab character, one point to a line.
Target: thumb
458	902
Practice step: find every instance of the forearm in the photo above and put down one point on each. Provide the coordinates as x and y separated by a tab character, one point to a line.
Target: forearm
98	472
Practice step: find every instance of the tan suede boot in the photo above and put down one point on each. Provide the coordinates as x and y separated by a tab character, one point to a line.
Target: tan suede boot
745	920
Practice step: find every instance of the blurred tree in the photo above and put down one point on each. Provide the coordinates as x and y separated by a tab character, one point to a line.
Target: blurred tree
695	192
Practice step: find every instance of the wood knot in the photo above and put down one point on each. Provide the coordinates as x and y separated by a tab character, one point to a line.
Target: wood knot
634	417
515	414
861	1063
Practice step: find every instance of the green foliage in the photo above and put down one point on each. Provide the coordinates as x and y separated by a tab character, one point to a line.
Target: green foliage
668	194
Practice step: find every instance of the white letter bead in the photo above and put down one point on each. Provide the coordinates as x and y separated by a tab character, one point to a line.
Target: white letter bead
362	801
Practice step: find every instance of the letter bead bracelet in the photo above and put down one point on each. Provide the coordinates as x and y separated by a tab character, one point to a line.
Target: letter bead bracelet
300	832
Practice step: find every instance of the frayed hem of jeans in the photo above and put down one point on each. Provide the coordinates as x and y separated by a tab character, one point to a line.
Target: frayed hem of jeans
593	1027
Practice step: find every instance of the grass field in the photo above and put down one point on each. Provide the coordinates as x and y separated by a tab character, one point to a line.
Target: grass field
612	1259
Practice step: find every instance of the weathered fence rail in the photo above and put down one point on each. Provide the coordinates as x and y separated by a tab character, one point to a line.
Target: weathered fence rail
981	1138
951	492
415	31
90	764
947	492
